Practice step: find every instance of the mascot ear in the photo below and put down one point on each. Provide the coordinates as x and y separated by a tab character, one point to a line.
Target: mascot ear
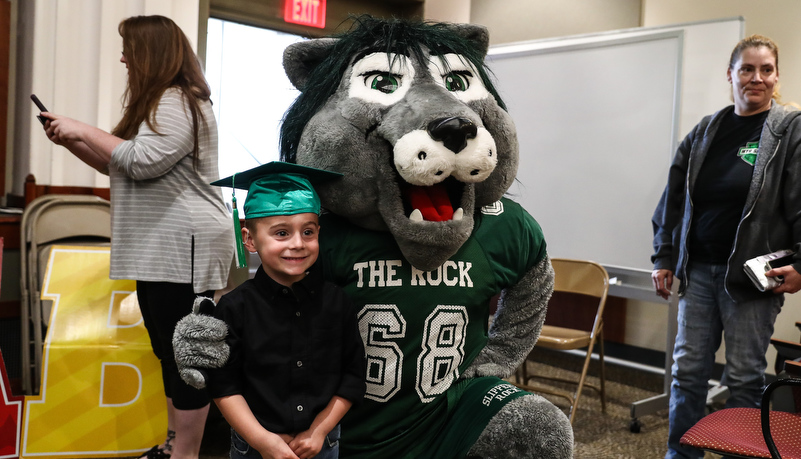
475	33
302	57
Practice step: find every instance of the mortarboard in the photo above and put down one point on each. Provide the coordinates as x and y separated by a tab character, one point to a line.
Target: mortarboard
275	188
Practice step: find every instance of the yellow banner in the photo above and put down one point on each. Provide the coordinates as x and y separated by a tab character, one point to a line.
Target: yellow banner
101	392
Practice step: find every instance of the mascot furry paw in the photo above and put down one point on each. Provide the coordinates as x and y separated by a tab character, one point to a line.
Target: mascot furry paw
420	236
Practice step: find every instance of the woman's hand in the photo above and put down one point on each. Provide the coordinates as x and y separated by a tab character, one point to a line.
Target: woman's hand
792	279
90	144
663	282
48	128
61	129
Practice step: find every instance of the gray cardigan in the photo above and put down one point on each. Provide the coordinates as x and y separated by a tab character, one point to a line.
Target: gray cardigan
167	223
771	217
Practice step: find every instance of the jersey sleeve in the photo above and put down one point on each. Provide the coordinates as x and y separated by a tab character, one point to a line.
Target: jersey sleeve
511	238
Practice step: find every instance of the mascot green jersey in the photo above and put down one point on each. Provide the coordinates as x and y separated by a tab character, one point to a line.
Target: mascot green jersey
420	236
423	329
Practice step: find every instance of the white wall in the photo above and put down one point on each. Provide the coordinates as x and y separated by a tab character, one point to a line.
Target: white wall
520	20
447	10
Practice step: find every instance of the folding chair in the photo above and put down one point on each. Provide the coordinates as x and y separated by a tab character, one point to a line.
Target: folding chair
753	432
48	220
588	279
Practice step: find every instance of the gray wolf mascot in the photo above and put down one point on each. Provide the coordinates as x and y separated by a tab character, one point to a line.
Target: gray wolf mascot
420	236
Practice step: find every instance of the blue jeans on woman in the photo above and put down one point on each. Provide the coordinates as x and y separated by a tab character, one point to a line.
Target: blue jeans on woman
706	312
241	450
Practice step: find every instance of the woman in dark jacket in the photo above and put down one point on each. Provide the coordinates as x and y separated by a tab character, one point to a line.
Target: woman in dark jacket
733	193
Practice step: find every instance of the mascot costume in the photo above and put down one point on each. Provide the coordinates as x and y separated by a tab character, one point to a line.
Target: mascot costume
418	233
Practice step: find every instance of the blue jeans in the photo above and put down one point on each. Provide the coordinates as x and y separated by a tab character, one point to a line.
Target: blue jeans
705	314
241	450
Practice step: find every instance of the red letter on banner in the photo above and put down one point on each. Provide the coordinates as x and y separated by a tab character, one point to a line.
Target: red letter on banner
10	416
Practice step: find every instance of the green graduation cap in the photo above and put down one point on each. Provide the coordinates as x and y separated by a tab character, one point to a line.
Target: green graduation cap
275	188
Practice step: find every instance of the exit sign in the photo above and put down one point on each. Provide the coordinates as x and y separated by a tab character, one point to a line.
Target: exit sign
305	12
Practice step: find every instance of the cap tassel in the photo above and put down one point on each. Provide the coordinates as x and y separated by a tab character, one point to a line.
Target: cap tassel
241	256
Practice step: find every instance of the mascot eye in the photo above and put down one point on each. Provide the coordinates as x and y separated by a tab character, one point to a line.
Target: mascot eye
384	82
457	81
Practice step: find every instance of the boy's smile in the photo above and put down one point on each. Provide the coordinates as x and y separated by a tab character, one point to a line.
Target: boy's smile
287	245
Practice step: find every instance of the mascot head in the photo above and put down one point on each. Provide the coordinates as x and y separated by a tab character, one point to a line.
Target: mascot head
407	112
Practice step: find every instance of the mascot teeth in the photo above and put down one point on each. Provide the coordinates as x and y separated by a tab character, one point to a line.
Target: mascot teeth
417	216
430	203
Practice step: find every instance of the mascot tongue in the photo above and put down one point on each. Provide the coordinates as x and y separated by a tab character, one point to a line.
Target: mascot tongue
432	201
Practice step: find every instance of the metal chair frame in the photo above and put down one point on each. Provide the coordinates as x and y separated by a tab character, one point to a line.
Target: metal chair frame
586	278
47	220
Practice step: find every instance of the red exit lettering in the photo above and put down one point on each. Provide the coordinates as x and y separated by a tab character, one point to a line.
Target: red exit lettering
305	12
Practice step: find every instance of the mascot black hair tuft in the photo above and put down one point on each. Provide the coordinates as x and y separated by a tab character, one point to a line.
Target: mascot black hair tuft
398	36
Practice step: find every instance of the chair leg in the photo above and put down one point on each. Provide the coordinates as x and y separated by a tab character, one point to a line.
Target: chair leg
583	377
602	372
25	329
518	373
521	373
524	370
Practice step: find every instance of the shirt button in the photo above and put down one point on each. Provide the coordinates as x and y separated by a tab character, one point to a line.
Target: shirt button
297	313
300	407
300	364
285	291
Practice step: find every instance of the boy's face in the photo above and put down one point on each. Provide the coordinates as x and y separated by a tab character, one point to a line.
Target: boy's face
287	245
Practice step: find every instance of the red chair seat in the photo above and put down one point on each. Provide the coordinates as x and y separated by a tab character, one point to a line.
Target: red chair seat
738	431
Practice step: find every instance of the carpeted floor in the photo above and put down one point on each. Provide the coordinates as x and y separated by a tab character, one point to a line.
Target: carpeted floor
607	435
598	435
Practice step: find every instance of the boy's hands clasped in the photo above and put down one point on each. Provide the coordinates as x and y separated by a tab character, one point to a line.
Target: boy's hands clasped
304	445
308	443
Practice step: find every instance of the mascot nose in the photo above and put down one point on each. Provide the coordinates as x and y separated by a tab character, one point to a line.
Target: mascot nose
454	132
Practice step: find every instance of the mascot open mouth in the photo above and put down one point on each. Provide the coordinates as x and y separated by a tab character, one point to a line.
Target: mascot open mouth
433	203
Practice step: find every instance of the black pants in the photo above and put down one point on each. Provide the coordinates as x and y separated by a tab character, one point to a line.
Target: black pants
163	304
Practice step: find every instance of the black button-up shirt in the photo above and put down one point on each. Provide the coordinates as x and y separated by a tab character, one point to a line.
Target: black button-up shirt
292	349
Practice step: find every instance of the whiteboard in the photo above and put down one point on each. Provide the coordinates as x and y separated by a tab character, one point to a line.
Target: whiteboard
598	120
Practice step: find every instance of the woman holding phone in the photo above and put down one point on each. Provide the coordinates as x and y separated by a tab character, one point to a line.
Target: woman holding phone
170	229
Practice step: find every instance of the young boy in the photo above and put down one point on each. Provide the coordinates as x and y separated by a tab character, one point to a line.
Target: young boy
297	361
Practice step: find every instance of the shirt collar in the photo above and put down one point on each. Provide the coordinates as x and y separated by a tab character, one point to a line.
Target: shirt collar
306	288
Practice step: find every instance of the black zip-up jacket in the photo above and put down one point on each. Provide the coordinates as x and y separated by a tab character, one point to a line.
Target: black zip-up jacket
771	217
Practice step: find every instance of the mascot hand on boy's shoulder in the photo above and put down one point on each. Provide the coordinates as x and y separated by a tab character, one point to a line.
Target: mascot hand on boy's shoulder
419	235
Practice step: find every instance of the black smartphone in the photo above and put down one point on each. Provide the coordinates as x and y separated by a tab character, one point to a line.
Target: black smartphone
42	108
784	260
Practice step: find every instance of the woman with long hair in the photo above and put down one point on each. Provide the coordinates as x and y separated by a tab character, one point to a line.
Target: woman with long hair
170	229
